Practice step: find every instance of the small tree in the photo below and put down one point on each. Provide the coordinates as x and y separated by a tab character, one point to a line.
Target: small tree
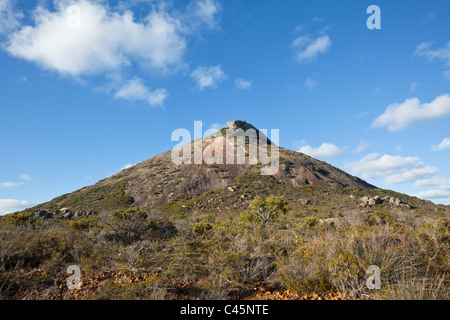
267	208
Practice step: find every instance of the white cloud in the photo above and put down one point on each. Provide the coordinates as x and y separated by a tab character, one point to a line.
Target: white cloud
11	205
310	83
413	86
105	41
326	150
204	11
442	193
395	169
310	48
445	144
243	84
9	18
10	184
363	145
443	54
208	77
108	40
25	177
433	194
135	90
411	174
398	116
443	183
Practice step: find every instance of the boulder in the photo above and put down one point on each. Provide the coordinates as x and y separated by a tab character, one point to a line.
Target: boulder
67	215
79	214
370	201
374	201
396	201
365	200
352	196
45	214
42	213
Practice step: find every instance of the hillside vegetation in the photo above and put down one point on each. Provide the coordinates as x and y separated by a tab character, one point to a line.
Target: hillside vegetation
318	244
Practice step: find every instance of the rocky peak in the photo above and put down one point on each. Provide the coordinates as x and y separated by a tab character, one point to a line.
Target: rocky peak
240	124
240	127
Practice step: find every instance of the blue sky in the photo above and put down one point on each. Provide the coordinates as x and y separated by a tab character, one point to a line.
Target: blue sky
88	90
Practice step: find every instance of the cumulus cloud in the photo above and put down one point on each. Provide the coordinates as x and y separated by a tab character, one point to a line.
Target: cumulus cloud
9	18
208	77
11	205
395	169
398	116
433	194
135	90
104	41
411	174
443	54
243	84
91	38
204	12
443	183
325	150
310	48
445	144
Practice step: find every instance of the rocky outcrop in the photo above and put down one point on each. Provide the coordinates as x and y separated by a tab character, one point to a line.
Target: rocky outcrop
373	201
62	214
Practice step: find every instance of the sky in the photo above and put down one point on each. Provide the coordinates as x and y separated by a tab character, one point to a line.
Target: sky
90	87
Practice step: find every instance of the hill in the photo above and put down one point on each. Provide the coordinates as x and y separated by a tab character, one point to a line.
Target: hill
158	180
161	230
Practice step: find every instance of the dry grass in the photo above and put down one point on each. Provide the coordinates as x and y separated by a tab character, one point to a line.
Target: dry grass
297	251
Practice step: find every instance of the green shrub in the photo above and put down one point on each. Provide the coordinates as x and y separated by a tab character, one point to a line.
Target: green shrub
200	227
310	222
248	217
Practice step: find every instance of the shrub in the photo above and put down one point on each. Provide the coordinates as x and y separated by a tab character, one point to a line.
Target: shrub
200	227
267	208
248	217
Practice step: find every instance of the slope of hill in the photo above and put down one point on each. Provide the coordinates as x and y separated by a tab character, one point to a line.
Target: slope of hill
157	181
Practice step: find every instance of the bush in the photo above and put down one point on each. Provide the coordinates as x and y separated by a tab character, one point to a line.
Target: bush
200	227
